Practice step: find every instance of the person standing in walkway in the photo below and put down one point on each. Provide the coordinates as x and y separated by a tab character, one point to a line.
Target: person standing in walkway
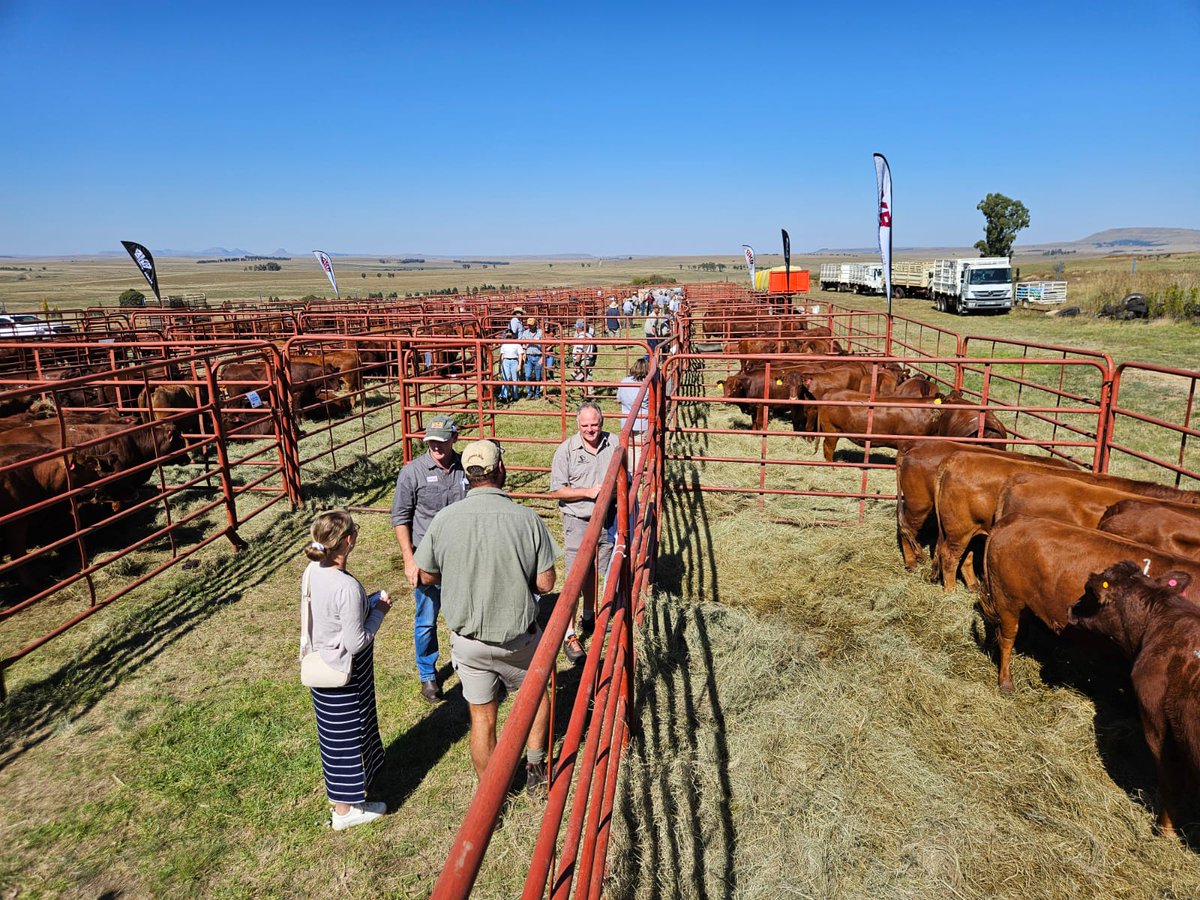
512	358
627	396
340	623
533	358
425	486
489	555
650	330
576	475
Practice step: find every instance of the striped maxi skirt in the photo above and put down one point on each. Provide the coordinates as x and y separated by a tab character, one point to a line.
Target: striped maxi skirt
348	732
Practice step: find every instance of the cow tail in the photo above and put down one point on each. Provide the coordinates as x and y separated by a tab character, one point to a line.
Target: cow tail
987	603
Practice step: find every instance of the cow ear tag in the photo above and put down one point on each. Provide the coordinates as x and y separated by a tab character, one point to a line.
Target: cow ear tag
937	400
779	381
1173	582
1104	584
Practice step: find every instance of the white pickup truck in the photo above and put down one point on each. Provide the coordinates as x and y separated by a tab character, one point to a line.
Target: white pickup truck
27	325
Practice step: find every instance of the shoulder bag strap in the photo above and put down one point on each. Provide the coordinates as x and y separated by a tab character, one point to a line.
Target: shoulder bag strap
305	614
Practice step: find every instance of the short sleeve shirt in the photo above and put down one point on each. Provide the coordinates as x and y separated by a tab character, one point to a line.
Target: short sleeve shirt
489	551
576	466
531	334
424	488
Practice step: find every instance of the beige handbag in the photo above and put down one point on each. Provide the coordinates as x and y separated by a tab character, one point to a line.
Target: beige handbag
314	671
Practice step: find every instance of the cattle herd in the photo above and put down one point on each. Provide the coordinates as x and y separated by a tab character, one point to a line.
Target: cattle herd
1045	533
1036	534
94	435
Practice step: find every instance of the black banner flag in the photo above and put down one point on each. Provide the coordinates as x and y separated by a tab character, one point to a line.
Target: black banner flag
787	259
145	262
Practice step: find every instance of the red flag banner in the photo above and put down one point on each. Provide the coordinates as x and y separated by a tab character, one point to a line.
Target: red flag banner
883	181
327	265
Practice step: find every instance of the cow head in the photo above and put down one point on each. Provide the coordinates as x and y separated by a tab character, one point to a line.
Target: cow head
1116	601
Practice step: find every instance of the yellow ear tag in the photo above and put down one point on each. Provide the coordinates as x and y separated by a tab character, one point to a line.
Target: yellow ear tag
1104	584
937	400
779	381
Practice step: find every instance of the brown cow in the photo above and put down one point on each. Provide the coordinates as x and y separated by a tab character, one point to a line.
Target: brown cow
968	488
1062	499
119	448
178	402
29	483
1172	527
784	386
1043	566
916	473
894	420
1158	629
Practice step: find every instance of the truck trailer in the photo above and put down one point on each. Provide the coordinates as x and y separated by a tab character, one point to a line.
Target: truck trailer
970	285
911	278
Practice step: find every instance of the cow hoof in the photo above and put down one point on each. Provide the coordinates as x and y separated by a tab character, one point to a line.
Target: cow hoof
1006	688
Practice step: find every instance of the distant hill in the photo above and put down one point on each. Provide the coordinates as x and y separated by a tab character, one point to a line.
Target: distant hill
1102	243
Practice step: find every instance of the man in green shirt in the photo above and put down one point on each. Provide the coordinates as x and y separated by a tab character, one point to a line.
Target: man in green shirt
490	555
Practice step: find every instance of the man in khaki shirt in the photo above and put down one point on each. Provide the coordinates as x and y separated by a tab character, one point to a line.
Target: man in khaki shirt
576	474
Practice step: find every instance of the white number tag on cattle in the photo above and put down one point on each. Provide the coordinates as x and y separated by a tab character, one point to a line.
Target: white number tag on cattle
254	399
432	479
1146	568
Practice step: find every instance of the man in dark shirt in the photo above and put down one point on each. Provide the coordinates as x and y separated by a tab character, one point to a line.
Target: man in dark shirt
425	486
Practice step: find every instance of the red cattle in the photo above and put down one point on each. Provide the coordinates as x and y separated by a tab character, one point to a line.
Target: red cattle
1172	527
968	488
916	473
1159	631
1068	500
891	420
1043	566
25	483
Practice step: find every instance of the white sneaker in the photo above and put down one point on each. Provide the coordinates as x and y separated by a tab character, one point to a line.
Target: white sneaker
359	814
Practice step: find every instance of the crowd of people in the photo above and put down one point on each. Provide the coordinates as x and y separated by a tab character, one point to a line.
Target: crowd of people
477	559
522	358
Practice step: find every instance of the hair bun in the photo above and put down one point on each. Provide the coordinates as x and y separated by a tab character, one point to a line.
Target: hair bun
318	546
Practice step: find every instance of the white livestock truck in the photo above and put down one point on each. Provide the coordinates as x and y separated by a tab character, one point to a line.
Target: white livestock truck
834	276
911	278
971	285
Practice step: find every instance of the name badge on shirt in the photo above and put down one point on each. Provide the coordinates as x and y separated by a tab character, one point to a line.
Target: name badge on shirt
432	479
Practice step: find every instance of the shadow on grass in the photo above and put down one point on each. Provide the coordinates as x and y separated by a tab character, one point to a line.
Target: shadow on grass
670	819
31	713
687	564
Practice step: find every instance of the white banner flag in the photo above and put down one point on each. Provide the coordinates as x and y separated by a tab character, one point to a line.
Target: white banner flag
327	265
883	179
749	262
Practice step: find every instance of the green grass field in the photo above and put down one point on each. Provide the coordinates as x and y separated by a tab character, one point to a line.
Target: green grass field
813	720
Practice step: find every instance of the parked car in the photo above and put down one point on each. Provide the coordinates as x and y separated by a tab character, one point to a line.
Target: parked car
26	325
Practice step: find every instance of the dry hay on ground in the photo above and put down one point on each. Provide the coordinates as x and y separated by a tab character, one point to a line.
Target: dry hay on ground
833	728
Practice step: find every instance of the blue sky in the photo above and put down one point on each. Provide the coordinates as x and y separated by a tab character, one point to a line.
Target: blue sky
610	128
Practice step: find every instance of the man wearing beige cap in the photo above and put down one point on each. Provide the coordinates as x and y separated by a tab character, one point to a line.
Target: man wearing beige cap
490	555
425	486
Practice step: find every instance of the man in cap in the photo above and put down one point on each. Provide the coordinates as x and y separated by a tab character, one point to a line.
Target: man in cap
576	474
424	487
490	555
514	324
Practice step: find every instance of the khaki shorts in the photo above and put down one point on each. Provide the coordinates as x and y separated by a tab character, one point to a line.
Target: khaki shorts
573	530
483	667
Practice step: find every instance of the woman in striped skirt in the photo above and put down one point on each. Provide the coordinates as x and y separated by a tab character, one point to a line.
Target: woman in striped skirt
343	627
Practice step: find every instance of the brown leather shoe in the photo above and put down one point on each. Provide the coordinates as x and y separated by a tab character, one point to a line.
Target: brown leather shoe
431	692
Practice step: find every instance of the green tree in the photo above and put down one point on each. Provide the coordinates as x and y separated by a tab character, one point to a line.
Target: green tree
131	297
1005	217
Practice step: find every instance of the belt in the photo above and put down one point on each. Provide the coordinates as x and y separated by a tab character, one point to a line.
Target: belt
532	629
